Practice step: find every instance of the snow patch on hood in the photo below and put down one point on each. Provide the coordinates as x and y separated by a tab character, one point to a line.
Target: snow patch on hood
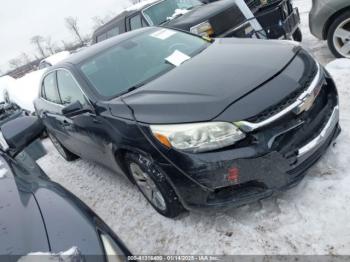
71	255
178	12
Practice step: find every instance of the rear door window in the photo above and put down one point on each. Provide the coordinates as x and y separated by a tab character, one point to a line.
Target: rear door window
50	92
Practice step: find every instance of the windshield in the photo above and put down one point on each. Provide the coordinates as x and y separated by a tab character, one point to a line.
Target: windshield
140	59
166	10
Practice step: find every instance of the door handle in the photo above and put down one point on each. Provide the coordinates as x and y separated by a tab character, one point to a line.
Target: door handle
65	123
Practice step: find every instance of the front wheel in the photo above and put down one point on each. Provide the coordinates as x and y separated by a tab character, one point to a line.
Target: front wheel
339	36
298	35
153	185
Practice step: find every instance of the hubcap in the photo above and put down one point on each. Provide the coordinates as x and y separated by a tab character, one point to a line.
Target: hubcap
57	145
341	38
147	186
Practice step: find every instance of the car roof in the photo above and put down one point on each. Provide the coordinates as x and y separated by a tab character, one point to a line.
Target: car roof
127	12
93	50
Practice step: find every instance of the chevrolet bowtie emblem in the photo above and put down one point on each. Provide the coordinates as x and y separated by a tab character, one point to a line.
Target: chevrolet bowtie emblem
308	101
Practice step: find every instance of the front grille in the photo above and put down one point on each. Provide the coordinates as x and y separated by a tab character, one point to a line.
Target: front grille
256	4
226	20
313	121
306	164
290	99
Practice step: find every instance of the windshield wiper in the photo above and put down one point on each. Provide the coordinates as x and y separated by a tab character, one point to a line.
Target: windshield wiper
130	89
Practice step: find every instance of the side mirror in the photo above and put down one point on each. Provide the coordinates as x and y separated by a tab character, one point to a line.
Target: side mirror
72	108
17	134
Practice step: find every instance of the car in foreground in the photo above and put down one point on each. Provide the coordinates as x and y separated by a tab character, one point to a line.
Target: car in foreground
330	20
272	19
38	216
195	124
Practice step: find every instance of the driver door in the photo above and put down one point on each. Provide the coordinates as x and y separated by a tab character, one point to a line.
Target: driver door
87	137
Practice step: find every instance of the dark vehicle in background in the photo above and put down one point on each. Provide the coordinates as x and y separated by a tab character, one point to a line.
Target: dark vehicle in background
37	214
330	20
10	111
272	19
195	124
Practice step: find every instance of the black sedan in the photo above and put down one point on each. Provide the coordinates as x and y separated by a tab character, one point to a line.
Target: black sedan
195	124
38	215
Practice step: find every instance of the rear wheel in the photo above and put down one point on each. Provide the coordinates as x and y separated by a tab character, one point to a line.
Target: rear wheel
298	35
65	153
153	185
339	36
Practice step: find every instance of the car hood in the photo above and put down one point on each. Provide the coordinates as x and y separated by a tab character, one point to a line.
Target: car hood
22	228
199	14
203	87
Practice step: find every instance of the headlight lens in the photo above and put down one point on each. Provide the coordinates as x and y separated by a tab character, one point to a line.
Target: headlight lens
199	137
203	29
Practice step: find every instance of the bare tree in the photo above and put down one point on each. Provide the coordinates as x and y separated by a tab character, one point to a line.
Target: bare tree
100	21
24	57
38	41
51	47
136	1
72	25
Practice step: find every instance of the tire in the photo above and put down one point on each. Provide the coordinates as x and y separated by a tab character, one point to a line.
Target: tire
148	177
335	42
298	35
65	153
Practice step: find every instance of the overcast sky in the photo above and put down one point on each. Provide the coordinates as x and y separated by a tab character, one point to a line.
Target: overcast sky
22	19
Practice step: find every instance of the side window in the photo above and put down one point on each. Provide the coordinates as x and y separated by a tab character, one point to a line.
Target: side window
69	89
50	89
135	22
113	32
101	38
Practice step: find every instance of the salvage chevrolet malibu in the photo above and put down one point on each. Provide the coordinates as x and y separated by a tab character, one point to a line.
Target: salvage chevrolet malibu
195	124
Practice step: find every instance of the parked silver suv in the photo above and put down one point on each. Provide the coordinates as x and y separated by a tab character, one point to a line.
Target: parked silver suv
330	20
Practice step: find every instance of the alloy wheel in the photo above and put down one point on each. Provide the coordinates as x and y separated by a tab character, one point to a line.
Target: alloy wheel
341	38
147	186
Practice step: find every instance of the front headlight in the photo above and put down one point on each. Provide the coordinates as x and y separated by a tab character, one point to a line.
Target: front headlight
203	29
198	137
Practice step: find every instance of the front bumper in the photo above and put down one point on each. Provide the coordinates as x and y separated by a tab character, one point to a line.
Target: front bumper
273	159
263	177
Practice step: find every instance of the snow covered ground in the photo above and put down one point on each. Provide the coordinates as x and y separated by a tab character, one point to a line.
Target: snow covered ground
312	218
